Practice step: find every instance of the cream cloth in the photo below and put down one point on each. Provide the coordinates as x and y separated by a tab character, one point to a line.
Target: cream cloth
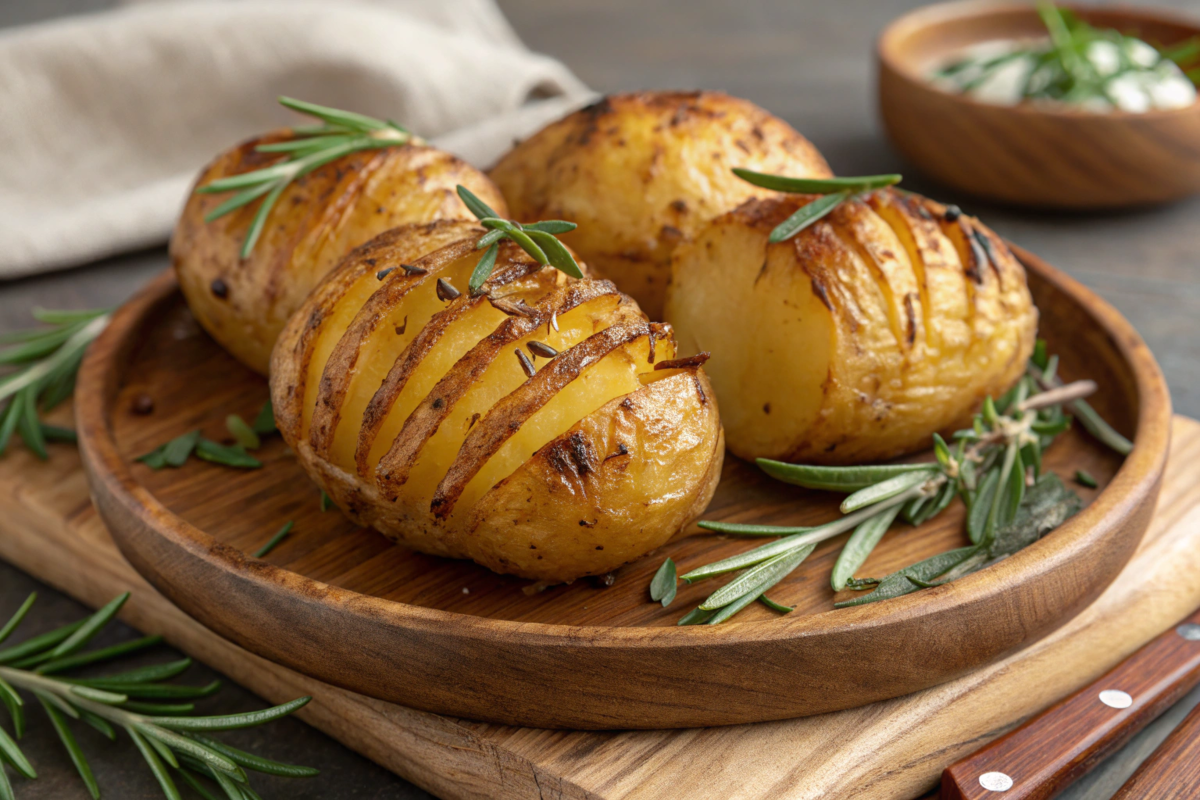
106	119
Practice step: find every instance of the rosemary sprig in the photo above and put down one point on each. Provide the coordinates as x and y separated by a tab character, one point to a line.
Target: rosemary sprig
339	134
173	743
833	191
995	466
42	364
536	238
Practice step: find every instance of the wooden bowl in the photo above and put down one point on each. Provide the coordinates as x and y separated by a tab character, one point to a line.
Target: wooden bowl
1027	155
344	605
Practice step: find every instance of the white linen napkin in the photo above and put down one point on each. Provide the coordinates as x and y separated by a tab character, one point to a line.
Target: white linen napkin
106	119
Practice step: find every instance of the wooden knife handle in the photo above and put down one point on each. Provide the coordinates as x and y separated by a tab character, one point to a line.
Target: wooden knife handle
1172	772
1048	753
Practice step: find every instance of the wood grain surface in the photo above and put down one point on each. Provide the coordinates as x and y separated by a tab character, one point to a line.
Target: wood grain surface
1051	752
1173	772
345	606
894	750
1030	155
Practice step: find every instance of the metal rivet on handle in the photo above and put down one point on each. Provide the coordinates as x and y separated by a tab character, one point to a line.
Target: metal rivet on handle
995	781
1189	632
1115	698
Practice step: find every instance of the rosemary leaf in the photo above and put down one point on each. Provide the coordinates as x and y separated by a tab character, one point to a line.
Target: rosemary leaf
781	183
275	540
11	753
1082	476
176	452
154	672
90	627
739	529
489	238
697	616
759	579
835	479
1094	424
771	604
480	209
156	766
864	539
15	706
37	644
17	617
898	583
235	456
226	722
54	433
50	667
483	269
6	790
887	489
28	425
554	226
1046	505
558	255
198	787
981	505
663	587
256	763
806	215
72	746
242	433
264	423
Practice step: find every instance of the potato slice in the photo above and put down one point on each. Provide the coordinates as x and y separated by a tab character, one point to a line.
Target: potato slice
411	429
858	338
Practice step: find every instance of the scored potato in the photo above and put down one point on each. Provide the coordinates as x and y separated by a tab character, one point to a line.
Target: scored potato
407	403
642	172
861	336
320	217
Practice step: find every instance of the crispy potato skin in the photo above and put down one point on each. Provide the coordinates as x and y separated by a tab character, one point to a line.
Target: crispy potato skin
591	462
642	172
315	222
858	338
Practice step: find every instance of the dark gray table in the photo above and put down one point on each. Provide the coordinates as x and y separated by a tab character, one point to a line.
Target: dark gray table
810	62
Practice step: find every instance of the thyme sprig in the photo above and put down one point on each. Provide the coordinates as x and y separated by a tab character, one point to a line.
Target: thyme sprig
995	466
536	238
339	133
42	364
173	742
833	191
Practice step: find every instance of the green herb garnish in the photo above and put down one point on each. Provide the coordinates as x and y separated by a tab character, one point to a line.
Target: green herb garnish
339	133
536	238
663	587
176	452
279	536
42	364
1084	478
834	191
995	466
174	744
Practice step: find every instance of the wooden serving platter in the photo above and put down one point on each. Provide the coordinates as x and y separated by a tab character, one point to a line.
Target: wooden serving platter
345	606
893	750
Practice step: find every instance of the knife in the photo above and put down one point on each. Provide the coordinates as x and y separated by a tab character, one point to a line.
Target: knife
1051	751
1172	772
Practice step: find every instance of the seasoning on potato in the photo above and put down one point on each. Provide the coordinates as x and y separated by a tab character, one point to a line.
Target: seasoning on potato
855	340
524	426
642	172
244	303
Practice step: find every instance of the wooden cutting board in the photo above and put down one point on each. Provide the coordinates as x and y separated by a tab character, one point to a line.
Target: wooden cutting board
892	749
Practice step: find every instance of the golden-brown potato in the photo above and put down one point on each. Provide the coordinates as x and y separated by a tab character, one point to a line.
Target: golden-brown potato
858	338
642	172
407	403
319	218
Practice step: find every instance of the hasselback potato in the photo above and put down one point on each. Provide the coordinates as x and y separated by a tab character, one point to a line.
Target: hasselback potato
642	172
858	338
542	427
244	303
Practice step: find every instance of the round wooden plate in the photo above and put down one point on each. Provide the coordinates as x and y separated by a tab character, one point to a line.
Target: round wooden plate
344	605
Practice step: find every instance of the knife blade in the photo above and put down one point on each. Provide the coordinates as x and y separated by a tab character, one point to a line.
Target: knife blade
1045	755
